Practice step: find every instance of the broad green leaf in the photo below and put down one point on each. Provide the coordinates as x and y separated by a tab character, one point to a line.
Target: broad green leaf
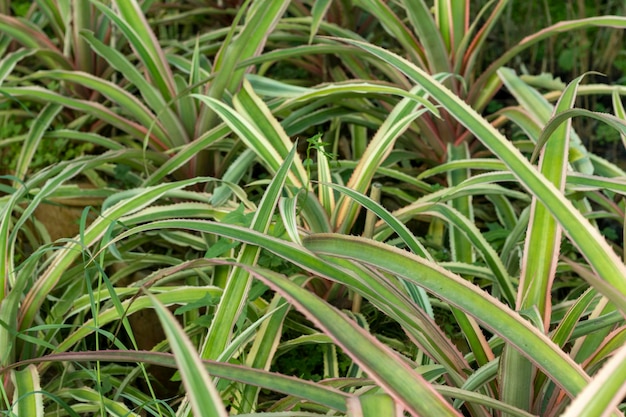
27	398
372	405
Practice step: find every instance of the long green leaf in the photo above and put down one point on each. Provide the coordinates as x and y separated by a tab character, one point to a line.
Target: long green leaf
541	110
34	38
620	112
554	123
316	392
589	241
394	25
99	402
453	20
381	294
28	399
430	36
166	117
377	151
544	234
265	343
167	295
489	75
235	294
382	364
540	256
133	23
250	106
605	391
485	309
318	11
462	248
99	111
10	61
71	250
36	132
128	103
372	405
262	17
397	226
204	397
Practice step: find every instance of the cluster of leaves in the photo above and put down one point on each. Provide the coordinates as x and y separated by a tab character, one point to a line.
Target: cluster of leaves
357	241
